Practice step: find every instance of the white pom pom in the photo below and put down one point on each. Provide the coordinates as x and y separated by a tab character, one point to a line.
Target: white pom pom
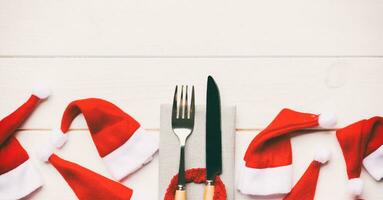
58	138
41	92
322	156
327	120
355	186
45	152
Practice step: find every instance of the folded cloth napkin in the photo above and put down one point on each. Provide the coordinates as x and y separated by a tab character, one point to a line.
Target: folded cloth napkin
195	150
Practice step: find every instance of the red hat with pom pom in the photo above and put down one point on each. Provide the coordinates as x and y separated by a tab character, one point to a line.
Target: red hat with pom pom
18	177
305	188
361	143
88	185
267	166
119	138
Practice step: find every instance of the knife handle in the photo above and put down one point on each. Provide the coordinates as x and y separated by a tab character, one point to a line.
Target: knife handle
209	192
180	195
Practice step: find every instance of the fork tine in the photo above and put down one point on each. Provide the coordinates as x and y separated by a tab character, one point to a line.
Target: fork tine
182	104
192	104
174	109
186	103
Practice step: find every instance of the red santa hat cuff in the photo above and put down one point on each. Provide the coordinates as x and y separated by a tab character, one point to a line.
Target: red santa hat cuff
119	138
267	165
361	144
18	176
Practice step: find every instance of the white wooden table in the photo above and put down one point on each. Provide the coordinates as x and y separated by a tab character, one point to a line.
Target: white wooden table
266	55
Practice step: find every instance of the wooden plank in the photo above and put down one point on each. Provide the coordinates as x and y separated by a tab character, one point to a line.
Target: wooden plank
261	87
332	182
191	28
81	150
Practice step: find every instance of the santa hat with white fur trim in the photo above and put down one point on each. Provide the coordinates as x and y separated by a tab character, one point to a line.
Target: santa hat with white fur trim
305	188
267	166
119	138
18	177
361	143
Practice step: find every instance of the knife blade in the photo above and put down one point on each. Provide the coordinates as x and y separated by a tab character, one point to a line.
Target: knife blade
213	137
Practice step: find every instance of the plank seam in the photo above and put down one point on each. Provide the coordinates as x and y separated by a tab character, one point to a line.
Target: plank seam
187	56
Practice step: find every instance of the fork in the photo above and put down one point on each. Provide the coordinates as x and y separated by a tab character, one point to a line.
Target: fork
182	125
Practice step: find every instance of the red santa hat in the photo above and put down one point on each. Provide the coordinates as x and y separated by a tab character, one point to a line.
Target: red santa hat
361	143
120	140
10	123
18	177
267	166
305	188
88	185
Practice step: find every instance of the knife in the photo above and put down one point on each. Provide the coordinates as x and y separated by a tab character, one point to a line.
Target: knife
213	137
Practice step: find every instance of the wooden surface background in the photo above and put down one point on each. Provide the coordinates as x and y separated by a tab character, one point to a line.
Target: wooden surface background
313	56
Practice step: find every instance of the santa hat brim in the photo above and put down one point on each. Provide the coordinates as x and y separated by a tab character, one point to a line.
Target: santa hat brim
20	182
132	155
373	163
266	181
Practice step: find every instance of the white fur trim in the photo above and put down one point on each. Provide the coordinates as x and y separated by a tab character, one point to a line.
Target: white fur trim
322	156
327	120
355	186
267	181
58	138
20	181
132	155
41	91
139	195
45	152
374	163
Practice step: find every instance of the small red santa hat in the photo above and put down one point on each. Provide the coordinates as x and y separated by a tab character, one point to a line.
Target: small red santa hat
267	166
88	185
18	177
10	123
305	188
119	139
361	143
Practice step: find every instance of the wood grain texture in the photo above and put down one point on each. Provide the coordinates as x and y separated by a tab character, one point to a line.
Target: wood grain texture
261	87
191	28
313	56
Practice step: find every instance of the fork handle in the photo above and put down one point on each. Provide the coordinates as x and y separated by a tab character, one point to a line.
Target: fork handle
181	169
180	195
181	192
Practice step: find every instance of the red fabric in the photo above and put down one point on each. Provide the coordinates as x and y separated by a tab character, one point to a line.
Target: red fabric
305	188
272	147
12	154
358	140
109	125
10	123
88	185
196	175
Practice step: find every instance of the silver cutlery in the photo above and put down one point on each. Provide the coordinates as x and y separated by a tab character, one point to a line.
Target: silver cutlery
182	124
